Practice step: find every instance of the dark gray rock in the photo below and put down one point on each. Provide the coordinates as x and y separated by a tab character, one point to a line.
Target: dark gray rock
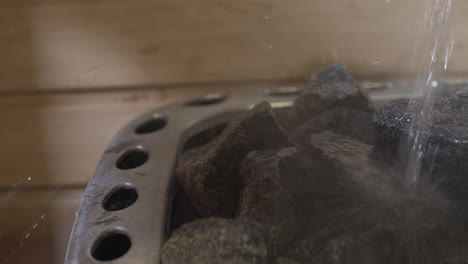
448	133
392	122
348	179
329	202
219	241
267	193
327	155
393	236
340	248
210	177
343	151
353	123
330	88
362	213
446	157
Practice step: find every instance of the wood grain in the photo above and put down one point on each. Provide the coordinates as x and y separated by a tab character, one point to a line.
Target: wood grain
52	44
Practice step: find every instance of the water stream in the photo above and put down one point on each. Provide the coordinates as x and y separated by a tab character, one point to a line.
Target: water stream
432	50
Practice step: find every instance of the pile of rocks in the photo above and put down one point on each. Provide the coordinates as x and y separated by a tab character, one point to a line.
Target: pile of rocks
323	189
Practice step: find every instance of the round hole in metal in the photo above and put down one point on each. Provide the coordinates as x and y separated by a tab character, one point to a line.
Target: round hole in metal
208	99
132	159
121	198
110	246
155	123
283	91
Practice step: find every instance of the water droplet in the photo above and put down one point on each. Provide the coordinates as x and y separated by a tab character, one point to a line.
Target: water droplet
43	216
448	52
29	178
266	17
27	235
434	83
375	62
35	225
269	46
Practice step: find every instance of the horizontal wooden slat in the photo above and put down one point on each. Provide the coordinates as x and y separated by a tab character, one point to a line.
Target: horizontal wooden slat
35	225
58	138
52	44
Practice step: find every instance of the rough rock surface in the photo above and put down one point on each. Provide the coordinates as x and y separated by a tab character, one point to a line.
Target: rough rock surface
330	88
345	152
395	239
219	241
446	159
210	177
345	121
361	213
267	191
328	200
392	122
449	132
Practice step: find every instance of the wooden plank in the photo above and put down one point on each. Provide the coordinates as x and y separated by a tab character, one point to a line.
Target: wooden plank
52	44
58	138
35	226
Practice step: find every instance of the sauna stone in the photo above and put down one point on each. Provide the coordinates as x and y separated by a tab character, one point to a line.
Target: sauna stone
327	197
392	122
330	88
362	213
345	121
219	241
267	197
447	149
210	177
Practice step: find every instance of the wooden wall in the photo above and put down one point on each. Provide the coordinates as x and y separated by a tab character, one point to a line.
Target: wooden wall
70	44
73	71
